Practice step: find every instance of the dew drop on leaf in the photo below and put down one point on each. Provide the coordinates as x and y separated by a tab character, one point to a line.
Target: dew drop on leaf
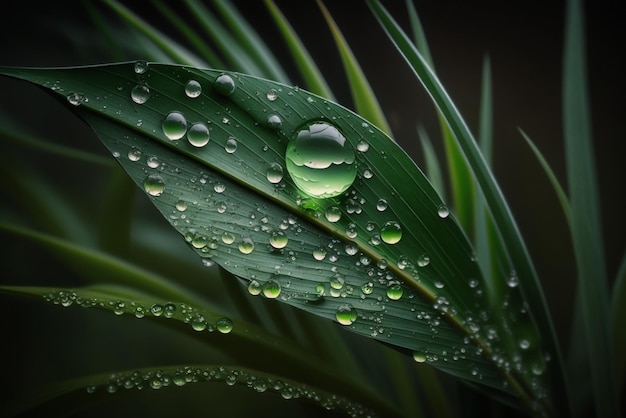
153	161
224	325
271	95
140	67
169	310
274	173
193	89
320	160
198	323
76	99
219	187
198	135
254	287
419	356
246	246
423	260
319	253
278	239
134	154
228	238
332	214
443	211
362	146
174	125
394	291
231	145
140	93
154	185
367	288
391	232
274	121
271	289
224	84
181	206
382	205
346	314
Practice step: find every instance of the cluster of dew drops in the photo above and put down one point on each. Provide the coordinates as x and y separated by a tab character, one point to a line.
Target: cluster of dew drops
319	160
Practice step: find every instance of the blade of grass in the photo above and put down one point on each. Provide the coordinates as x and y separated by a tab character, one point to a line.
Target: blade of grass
432	166
618	310
177	53
502	215
362	94
251	42
585	212
461	184
311	74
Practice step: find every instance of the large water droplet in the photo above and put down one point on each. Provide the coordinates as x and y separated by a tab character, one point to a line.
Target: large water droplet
278	239
224	84
382	205
391	232
193	89
224	325
174	125
154	185
140	94
274	173
254	287
231	145
320	160
246	246
332	214
134	154
443	211
271	95
198	135
274	121
271	289
419	356
346	314
394	291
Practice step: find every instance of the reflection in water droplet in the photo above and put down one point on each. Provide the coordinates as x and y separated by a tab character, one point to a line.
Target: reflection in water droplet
193	89
332	214
320	160
274	121
419	356
174	126
154	185
246	246
228	238
76	99
423	260
319	253
140	67
382	205
181	206
198	323
224	84
198	135
271	289
362	146
443	211
219	187
254	287
231	145
271	95
394	291
346	314
134	154
391	232
367	288
153	162
278	239
274	173
224	325
140	94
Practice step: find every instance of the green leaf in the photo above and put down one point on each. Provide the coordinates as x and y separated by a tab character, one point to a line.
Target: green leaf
383	257
585	215
520	265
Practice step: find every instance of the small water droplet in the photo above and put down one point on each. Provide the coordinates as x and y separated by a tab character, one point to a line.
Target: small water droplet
174	125
512	280
332	214
169	310
156	309
224	325
394	291
76	99
337	281
274	173
271	289
219	187
320	160
193	89
351	249
278	239
319	253
224	84
423	260
254	287
228	238
198	135
134	154
382	205
524	344
443	211
274	121
246	246
367	288
346	314
198	323
419	356
140	67
271	95
140	94
362	146
153	162
391	232
231	145
154	185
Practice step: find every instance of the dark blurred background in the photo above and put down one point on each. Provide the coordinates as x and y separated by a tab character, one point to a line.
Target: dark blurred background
522	39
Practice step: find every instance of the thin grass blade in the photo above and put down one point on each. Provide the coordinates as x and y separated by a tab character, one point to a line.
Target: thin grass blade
618	313
431	162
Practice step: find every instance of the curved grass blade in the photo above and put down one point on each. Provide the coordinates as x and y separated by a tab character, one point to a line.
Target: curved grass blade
503	219
433	168
618	312
384	258
365	101
585	212
308	69
238	338
89	392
